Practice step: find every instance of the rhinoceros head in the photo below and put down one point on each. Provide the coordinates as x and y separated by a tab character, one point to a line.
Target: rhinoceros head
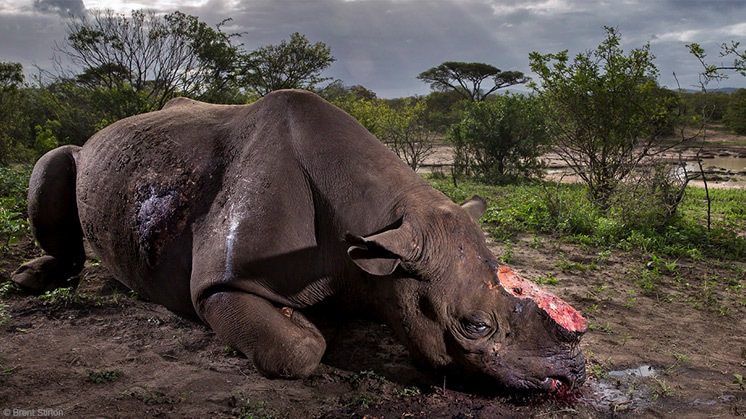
458	310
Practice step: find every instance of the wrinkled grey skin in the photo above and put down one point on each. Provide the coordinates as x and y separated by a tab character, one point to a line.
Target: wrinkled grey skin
246	216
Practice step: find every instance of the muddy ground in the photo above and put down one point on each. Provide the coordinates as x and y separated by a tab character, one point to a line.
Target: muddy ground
666	340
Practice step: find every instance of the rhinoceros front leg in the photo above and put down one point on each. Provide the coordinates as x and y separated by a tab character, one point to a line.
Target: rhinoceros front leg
281	341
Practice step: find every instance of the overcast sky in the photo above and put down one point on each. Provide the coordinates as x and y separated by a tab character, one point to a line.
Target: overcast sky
384	44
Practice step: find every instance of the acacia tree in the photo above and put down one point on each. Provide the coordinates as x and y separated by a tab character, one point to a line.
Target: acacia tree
468	79
154	56
293	64
605	111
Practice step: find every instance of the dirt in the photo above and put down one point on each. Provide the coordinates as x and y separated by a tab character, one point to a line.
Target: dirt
673	345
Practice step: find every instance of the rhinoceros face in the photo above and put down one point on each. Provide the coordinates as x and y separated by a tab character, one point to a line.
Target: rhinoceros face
459	311
511	331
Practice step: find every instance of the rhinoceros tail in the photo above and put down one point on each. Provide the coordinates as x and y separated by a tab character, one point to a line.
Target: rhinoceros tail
53	213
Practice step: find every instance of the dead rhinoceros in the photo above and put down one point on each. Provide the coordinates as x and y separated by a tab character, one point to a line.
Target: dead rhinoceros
247	216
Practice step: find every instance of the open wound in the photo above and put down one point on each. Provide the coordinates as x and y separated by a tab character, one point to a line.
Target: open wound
155	213
558	310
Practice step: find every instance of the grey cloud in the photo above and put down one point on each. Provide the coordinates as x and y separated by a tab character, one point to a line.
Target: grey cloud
384	44
64	8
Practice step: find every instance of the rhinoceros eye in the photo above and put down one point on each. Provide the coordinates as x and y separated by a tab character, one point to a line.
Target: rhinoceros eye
476	326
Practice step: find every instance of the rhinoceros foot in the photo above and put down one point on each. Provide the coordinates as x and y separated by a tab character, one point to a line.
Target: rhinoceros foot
42	274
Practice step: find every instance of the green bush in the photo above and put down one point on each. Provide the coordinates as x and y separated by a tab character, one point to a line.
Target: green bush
500	139
565	211
735	113
13	187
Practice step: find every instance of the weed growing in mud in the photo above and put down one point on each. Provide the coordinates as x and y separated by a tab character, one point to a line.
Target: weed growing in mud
5	371
679	360
8	288
231	352
708	299
104	376
631	302
603	328
548	279
738	379
566	265
408	392
65	297
648	281
258	410
663	389
4	315
507	254
535	242
361	401
596	370
248	409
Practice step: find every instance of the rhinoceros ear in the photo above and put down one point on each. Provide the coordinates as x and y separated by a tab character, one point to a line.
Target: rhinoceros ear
475	207
379	254
374	259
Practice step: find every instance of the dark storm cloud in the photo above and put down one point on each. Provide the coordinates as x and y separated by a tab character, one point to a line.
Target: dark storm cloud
385	44
62	7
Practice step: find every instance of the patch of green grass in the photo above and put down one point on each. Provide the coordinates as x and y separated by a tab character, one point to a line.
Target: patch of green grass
507	254
4	370
565	211
603	328
548	279
648	281
738	379
65	297
4	314
8	288
663	389
362	400
256	410
410	391
13	187
104	376
630	302
596	371
679	359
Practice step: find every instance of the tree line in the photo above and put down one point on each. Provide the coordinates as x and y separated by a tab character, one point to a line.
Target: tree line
601	111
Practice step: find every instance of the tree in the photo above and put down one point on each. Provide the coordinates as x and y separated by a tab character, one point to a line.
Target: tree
12	115
294	64
467	79
727	50
443	110
337	92
156	56
735	114
605	111
403	129
500	138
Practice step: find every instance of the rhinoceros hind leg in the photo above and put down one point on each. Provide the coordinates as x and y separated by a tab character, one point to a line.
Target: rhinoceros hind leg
281	342
53	213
